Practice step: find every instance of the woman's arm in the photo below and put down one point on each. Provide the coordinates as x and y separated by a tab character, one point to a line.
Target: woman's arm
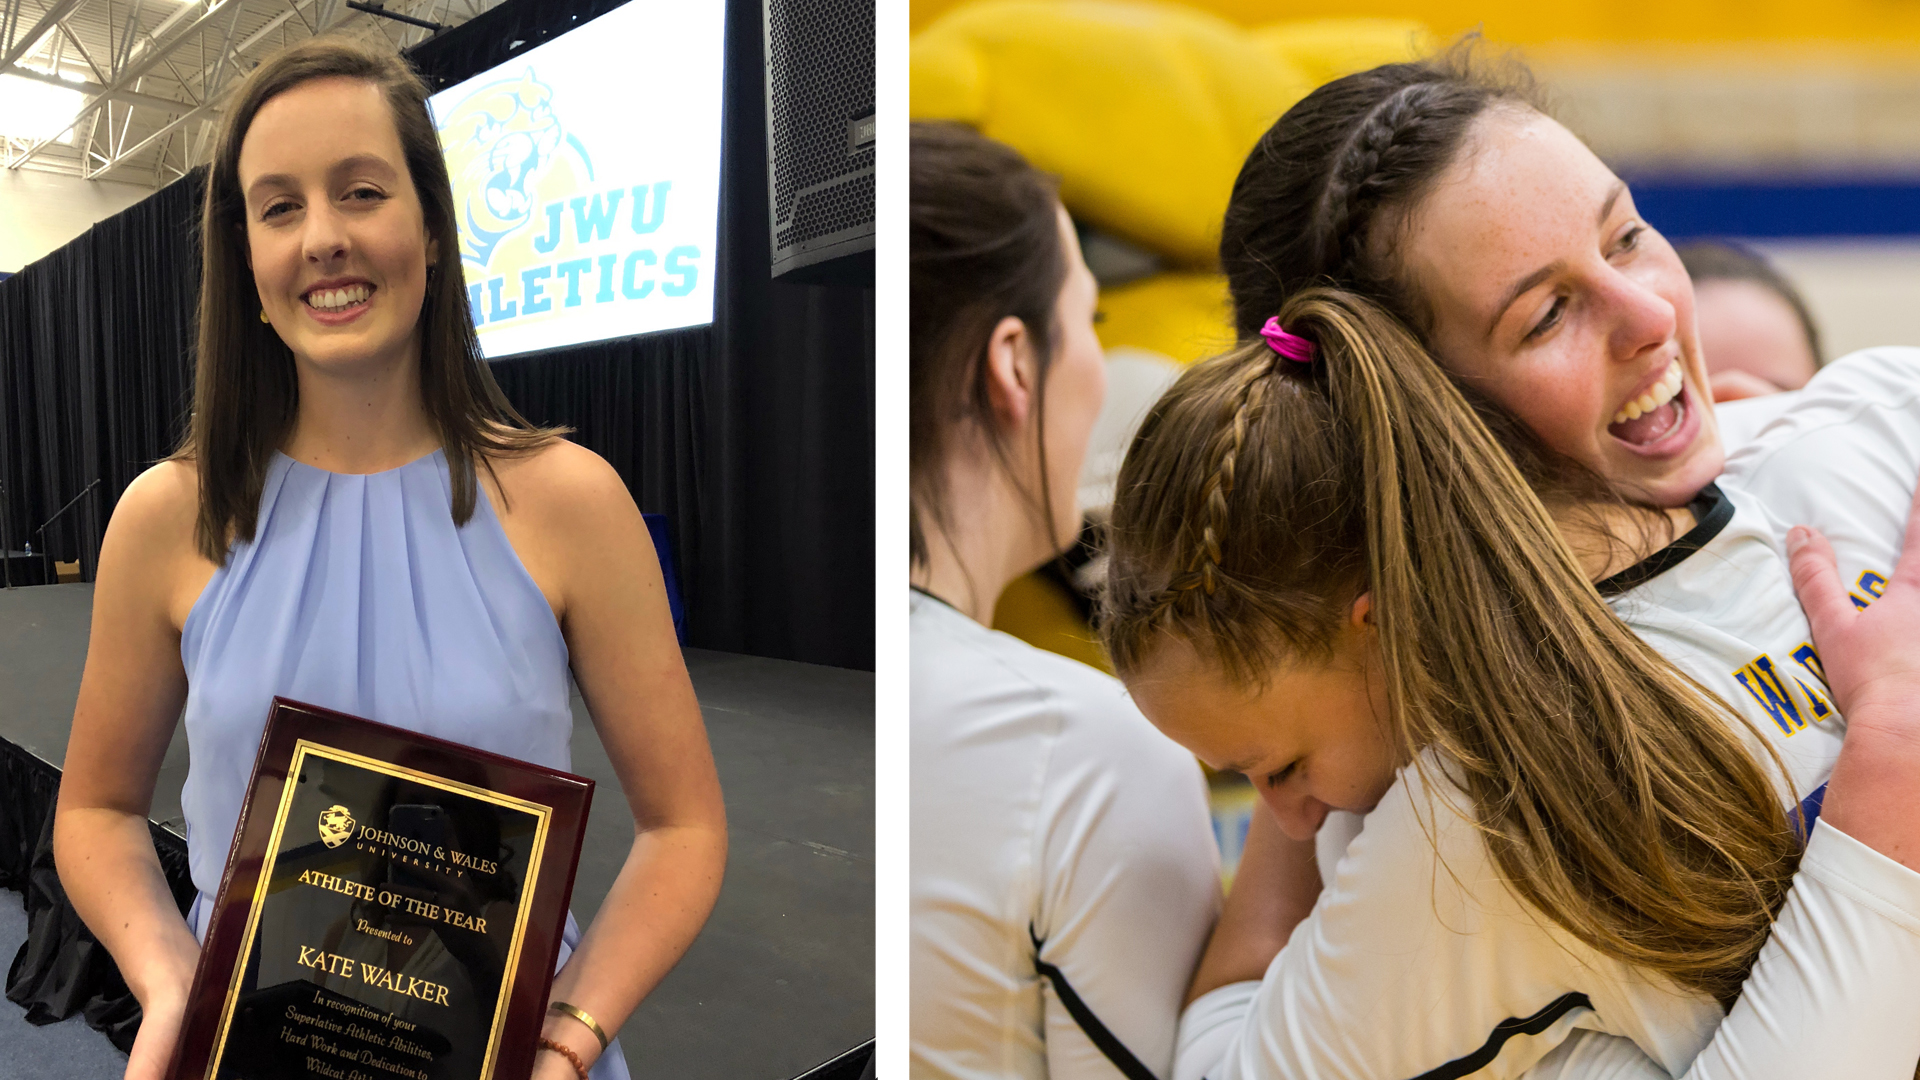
130	698
580	531
1274	889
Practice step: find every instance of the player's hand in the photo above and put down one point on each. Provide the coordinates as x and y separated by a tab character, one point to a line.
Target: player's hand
160	1022
1871	655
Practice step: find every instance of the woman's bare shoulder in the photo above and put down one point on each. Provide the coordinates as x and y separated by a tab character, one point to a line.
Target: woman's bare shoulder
150	556
559	482
162	503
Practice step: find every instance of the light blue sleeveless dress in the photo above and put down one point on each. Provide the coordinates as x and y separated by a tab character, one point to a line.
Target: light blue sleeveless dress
359	594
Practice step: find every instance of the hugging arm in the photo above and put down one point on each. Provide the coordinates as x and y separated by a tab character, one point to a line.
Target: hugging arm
1412	963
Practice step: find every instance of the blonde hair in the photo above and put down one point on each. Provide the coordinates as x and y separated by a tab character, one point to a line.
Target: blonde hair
1261	497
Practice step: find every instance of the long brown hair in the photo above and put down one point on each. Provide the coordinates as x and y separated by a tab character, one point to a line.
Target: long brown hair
1261	497
984	244
246	394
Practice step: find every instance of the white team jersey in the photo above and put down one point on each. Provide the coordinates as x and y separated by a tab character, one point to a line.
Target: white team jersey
1418	962
1050	824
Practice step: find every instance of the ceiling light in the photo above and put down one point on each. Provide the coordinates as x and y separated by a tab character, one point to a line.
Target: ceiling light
35	110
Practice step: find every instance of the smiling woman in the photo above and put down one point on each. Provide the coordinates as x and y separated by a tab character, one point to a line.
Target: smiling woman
332	164
357	518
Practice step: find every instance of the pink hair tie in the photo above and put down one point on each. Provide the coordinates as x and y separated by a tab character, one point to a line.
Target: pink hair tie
1292	346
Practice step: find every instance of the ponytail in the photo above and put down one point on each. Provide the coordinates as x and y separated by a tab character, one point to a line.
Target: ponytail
1261	497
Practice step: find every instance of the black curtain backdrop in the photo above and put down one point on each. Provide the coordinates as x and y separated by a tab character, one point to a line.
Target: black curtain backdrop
754	435
95	368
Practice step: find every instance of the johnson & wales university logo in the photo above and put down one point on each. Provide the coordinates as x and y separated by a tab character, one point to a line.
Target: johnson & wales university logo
336	825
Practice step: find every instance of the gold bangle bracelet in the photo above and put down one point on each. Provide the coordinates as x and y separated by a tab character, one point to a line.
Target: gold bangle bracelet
580	1014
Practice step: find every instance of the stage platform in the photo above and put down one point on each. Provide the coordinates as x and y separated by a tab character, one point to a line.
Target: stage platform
780	980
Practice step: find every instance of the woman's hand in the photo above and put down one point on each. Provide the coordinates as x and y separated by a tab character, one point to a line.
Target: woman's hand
1871	655
160	1022
1871	659
161	982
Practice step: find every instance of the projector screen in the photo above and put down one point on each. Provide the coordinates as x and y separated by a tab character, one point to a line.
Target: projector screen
586	177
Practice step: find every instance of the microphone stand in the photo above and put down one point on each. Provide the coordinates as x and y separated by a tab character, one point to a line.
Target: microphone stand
53	574
6	541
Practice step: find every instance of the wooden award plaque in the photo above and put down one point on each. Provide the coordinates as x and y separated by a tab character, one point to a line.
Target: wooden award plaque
391	909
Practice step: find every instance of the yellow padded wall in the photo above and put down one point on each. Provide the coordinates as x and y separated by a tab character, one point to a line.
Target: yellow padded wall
1183	316
1145	111
1327	49
1592	22
1037	610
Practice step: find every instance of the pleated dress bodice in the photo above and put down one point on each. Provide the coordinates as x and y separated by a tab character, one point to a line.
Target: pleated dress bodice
359	594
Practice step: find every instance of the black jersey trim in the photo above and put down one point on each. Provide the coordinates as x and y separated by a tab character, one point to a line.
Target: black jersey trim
1109	1044
936	598
1507	1029
1711	511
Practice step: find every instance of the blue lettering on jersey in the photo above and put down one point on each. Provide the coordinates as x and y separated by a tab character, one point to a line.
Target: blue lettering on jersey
1810	660
1870	583
1770	690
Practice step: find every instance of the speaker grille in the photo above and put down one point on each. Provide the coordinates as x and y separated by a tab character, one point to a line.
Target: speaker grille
820	156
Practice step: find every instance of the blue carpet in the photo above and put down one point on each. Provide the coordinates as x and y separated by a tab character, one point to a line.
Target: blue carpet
69	1050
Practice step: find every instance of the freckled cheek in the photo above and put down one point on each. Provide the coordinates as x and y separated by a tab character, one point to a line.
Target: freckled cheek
1563	405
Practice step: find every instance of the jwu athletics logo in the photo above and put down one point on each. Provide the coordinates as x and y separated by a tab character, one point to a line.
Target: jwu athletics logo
535	228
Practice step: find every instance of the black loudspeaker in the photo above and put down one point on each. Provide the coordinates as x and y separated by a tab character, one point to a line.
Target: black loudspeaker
820	133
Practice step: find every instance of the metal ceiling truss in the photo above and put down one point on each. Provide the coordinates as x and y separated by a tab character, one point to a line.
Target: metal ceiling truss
157	72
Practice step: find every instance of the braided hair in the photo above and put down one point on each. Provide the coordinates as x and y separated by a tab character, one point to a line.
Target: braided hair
1313	201
1262	497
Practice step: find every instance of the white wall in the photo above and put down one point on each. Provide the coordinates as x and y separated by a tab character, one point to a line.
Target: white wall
1862	292
39	211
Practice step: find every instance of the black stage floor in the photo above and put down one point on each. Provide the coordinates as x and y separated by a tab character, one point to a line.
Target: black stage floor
780	980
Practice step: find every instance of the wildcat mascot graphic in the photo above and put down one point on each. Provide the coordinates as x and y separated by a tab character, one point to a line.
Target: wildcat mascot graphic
336	825
501	142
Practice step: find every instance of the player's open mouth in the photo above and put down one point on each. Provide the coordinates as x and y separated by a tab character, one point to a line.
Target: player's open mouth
1657	413
339	301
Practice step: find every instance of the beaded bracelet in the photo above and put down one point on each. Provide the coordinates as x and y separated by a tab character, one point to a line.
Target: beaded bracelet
573	1059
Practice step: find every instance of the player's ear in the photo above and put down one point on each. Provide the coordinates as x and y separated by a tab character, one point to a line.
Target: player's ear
1361	614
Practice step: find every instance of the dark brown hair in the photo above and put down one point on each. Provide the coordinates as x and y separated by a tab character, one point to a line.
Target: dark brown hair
246	394
1717	260
1316	197
1322	196
1261	497
984	244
